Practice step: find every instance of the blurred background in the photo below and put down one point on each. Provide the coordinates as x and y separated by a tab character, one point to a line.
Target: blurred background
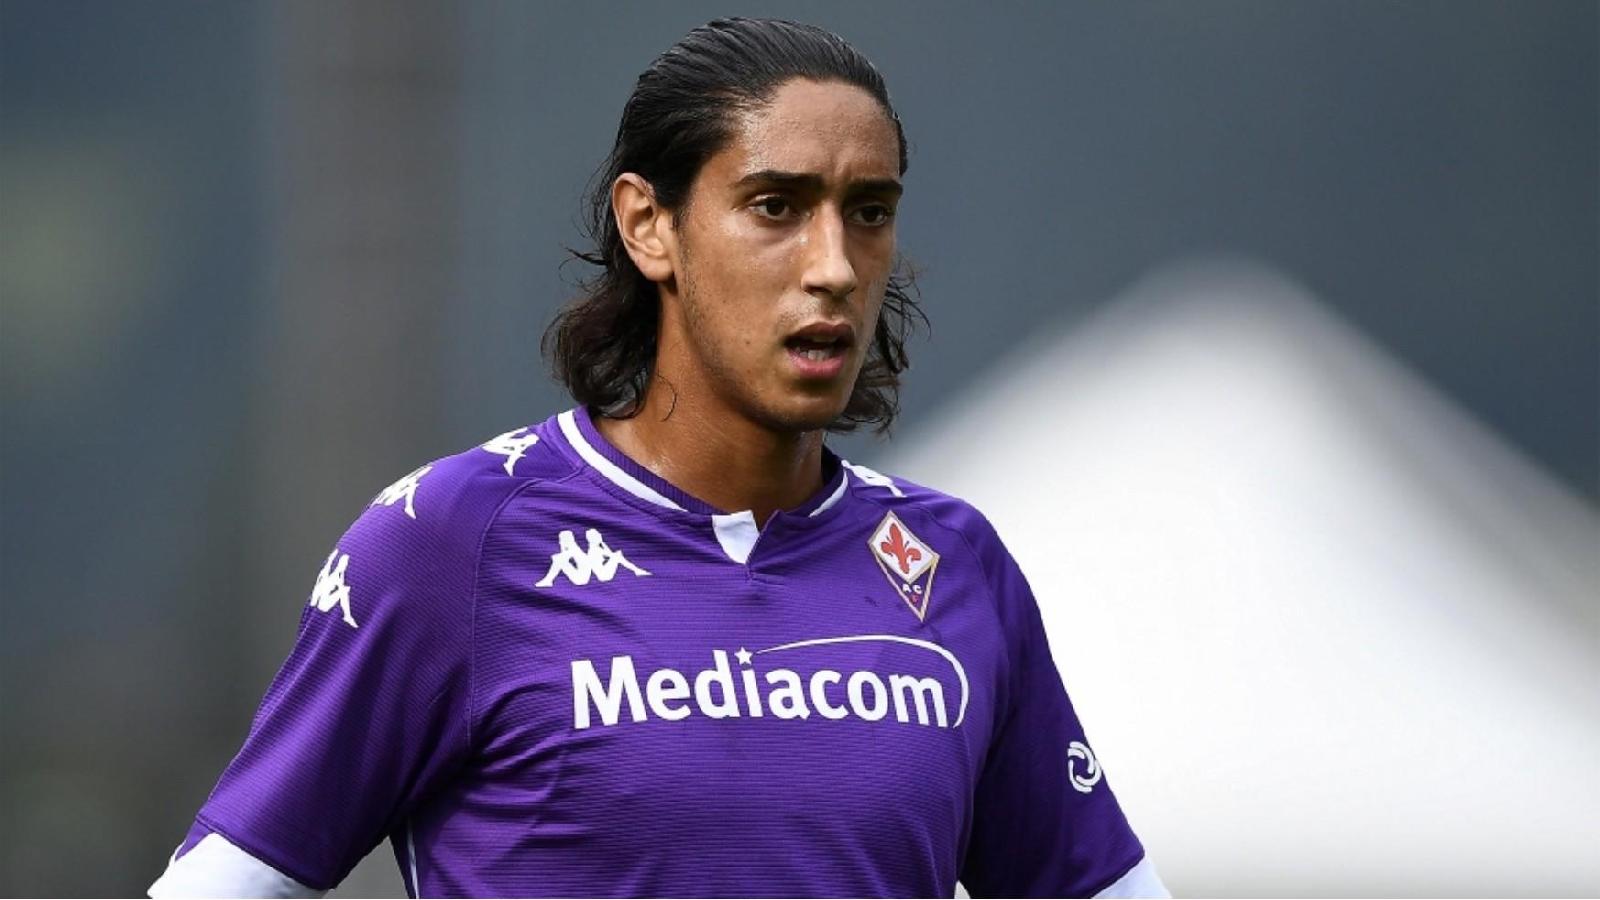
1268	334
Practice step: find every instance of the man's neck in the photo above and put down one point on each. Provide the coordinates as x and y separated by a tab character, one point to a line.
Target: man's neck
720	457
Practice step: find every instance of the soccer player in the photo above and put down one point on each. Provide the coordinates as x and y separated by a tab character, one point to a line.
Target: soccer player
666	643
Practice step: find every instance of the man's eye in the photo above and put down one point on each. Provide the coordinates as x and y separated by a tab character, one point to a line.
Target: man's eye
772	207
874	215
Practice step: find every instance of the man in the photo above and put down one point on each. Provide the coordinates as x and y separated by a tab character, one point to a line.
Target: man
666	643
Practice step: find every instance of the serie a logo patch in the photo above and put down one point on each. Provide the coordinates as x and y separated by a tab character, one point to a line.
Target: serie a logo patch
906	561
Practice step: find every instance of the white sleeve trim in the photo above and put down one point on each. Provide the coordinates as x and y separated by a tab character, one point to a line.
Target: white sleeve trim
217	868
1140	881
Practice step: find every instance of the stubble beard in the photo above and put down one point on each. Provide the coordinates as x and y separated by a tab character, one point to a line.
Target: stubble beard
724	380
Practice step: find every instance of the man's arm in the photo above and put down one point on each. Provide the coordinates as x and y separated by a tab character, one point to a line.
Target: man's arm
214	867
367	716
1046	823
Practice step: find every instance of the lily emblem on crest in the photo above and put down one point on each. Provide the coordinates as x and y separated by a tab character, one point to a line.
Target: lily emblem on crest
906	561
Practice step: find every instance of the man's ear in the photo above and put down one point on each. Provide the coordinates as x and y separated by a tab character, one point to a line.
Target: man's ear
645	225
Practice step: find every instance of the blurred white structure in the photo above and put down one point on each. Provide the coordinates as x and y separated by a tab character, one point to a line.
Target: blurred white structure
1330	636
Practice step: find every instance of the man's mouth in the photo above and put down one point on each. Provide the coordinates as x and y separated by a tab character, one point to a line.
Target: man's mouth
818	350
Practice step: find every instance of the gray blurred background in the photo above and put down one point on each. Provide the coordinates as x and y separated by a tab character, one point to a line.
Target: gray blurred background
259	259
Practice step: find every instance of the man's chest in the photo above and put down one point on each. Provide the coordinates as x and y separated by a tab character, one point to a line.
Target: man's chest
803	694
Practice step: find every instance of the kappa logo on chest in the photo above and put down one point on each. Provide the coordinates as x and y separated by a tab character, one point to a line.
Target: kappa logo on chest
598	561
907	562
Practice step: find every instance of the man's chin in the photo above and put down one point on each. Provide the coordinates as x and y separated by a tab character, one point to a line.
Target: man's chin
803	414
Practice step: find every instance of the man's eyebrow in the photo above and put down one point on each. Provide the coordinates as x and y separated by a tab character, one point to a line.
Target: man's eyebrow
808	182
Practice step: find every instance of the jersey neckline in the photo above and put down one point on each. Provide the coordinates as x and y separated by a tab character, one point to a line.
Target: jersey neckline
611	465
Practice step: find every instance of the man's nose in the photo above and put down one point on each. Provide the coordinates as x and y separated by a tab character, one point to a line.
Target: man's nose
828	269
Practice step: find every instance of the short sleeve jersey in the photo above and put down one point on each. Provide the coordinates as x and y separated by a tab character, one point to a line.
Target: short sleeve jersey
538	669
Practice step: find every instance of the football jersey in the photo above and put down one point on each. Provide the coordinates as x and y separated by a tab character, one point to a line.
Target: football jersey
539	669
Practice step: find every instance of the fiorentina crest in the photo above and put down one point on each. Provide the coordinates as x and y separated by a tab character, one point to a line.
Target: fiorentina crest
906	561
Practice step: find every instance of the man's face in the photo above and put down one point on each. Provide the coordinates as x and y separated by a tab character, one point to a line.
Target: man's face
785	248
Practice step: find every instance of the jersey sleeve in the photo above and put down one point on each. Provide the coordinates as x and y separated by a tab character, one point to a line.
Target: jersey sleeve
372	709
1045	821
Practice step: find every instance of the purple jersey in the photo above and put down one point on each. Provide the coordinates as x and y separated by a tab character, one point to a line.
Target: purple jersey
538	669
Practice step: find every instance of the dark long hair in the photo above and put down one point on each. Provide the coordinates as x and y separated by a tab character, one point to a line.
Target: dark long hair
602	345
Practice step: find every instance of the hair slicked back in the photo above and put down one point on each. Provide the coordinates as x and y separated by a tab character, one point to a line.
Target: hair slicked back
602	345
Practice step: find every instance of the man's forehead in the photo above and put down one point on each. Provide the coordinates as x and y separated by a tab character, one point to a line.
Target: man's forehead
836	132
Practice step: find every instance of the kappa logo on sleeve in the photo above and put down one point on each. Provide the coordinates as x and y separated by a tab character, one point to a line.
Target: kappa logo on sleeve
873	477
404	489
1085	780
513	445
331	590
906	561
580	565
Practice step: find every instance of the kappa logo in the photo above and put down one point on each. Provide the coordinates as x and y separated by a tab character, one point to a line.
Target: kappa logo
513	445
331	590
1083	781
906	561
404	489
873	477
580	565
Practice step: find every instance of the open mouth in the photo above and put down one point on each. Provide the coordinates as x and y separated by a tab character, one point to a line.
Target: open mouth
819	350
816	349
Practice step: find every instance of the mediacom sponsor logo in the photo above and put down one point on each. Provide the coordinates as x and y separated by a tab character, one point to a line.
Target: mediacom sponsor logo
720	692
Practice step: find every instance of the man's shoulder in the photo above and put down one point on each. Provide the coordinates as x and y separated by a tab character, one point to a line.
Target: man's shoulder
462	492
420	538
906	498
521	455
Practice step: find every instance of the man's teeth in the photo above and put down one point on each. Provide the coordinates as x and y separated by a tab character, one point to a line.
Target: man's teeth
814	350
